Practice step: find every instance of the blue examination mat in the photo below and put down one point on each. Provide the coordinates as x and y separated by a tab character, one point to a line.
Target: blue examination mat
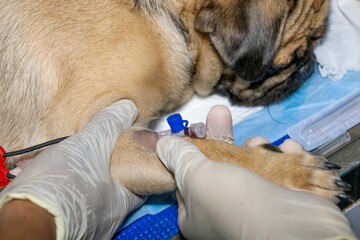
157	219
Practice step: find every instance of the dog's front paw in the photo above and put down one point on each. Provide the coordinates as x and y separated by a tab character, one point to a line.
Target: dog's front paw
316	174
287	165
294	168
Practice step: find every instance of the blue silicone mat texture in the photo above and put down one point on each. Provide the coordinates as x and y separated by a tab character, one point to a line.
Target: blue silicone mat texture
270	122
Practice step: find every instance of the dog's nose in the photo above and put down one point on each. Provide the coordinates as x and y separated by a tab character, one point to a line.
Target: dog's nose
251	75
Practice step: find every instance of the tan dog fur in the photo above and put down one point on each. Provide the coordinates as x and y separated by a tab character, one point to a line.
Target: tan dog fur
62	61
298	170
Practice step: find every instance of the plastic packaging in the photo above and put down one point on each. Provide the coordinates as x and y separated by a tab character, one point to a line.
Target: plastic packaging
329	123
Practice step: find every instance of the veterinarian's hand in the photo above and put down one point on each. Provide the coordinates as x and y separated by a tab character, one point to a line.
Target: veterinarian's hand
72	181
225	201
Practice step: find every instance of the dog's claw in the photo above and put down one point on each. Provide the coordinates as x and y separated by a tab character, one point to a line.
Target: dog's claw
343	185
271	147
330	166
345	197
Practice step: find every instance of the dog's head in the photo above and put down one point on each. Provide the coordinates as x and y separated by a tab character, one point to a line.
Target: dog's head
267	44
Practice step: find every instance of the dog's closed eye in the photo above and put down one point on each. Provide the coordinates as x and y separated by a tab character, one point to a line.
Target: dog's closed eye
247	36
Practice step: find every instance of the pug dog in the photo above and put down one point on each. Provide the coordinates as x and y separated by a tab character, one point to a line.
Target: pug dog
269	52
63	61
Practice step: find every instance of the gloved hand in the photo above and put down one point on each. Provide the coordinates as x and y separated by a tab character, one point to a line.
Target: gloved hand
225	201
72	181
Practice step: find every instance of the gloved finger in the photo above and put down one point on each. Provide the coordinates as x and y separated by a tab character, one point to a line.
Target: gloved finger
255	141
126	199
219	124
290	146
180	201
112	119
181	207
179	156
102	131
328	220
182	221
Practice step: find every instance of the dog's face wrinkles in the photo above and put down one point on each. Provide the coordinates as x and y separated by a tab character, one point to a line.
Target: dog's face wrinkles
268	46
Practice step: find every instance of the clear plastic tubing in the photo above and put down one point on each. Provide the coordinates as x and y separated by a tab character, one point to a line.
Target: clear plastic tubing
195	130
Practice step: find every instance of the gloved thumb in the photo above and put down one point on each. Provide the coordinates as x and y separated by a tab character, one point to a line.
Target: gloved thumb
179	156
107	124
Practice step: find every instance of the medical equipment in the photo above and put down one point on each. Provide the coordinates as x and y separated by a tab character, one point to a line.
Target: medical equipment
328	124
179	127
5	174
196	130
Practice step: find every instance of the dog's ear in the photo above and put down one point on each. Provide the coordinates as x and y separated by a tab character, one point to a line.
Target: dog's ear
246	34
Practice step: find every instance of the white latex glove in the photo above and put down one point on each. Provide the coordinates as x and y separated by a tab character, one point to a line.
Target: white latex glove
225	201
72	181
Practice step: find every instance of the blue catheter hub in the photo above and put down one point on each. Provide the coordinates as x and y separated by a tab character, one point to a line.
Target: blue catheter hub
176	123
